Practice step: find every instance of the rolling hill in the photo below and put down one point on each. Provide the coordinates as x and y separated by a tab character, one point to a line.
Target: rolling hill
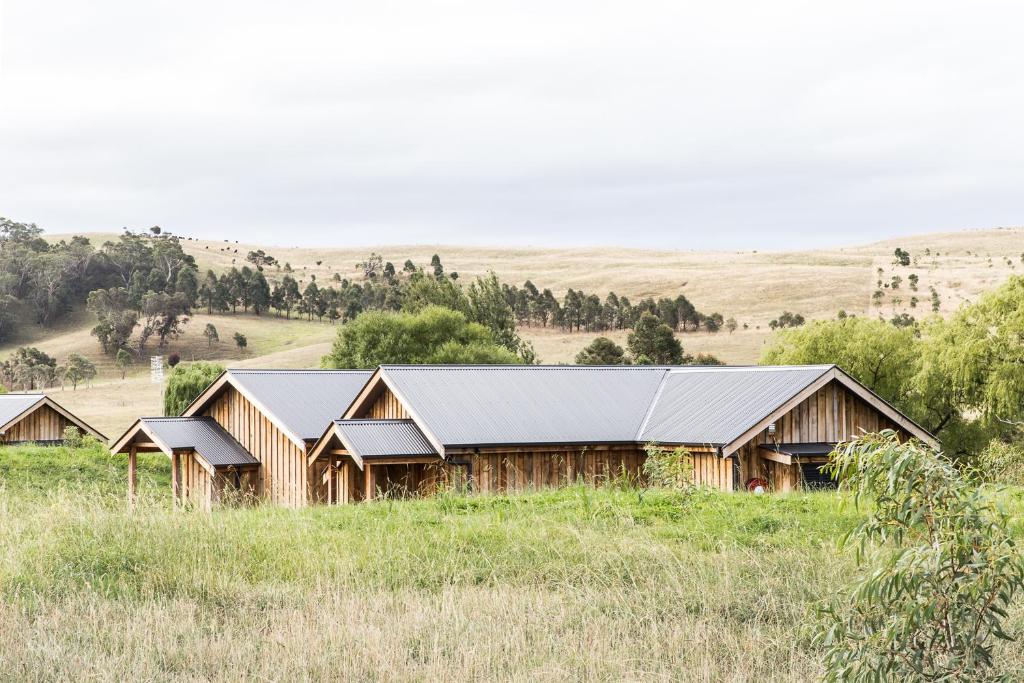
753	287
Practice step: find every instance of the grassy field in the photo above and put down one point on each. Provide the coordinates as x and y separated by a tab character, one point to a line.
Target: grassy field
574	584
750	286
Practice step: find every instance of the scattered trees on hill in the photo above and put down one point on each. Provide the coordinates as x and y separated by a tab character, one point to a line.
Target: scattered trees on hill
78	369
960	378
185	382
210	332
902	257
785	320
123	360
29	369
602	351
652	342
433	335
241	341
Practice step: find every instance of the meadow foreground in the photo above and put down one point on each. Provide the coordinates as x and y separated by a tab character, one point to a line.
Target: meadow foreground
605	584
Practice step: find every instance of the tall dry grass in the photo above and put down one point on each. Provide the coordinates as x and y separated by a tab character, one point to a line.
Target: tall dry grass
575	584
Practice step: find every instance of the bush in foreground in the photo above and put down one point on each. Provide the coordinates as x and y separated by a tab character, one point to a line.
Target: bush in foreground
940	570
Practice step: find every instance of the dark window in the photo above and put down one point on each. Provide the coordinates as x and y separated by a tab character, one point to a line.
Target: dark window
814	478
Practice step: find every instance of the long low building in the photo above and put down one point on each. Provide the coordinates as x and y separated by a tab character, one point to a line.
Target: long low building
340	436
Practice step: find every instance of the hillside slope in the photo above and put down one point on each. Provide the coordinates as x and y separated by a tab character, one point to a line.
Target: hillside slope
753	287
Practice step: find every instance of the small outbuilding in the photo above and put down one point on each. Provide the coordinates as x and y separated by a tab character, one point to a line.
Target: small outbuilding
37	418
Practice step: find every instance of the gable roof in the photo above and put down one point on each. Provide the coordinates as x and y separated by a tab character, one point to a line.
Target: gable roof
721	406
14	407
716	405
200	434
298	402
473	405
369	439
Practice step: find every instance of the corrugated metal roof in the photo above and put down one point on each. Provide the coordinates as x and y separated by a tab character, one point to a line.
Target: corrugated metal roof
13	405
716	405
492	405
201	434
303	401
370	439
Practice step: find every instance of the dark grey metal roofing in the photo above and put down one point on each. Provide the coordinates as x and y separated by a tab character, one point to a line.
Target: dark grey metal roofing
304	402
370	439
823	448
13	405
201	434
705	405
492	405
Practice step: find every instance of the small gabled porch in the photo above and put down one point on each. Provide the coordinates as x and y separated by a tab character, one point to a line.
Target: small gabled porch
207	465
358	460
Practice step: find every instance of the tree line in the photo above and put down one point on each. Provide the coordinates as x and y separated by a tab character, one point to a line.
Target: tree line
143	288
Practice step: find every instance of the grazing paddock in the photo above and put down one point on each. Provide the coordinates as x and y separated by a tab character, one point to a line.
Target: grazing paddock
576	583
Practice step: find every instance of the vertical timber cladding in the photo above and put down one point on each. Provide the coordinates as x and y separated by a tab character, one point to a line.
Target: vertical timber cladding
42	424
832	414
545	467
540	467
196	483
283	469
387	407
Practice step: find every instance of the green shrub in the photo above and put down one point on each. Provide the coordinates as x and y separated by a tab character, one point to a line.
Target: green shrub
938	570
72	437
668	469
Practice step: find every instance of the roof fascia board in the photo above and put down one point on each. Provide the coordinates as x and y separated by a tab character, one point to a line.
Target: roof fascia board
884	407
320	445
140	426
20	416
430	436
81	424
798	398
356	457
206	395
201	459
358	403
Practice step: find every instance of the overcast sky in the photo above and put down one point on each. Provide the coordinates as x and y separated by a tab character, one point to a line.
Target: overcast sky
733	125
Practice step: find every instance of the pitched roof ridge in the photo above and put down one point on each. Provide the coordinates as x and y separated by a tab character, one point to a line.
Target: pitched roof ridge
298	371
651	406
579	368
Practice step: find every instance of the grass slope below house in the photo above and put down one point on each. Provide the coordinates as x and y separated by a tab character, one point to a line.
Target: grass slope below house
570	584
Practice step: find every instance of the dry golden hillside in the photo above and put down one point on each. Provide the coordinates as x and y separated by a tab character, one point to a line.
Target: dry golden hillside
752	287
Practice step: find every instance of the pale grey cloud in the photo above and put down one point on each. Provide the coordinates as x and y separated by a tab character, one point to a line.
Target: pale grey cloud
730	124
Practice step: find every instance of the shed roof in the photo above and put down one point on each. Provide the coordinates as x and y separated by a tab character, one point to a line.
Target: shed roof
474	405
370	439
302	401
715	405
13	405
201	434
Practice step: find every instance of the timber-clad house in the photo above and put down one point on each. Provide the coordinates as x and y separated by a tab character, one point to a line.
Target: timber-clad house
37	418
297	437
